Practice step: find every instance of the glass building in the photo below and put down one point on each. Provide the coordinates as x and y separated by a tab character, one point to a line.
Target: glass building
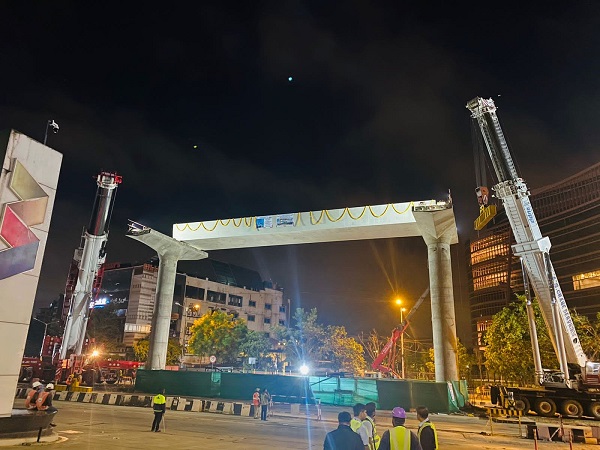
569	213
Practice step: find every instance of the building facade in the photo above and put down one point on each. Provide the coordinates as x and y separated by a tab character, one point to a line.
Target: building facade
568	212
131	289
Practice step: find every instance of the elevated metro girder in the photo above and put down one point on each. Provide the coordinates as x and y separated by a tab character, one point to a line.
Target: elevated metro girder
345	224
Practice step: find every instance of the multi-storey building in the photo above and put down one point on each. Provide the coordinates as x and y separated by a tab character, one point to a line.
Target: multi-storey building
214	285
569	213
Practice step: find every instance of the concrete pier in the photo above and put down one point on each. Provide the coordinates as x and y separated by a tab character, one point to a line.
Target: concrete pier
438	229
170	251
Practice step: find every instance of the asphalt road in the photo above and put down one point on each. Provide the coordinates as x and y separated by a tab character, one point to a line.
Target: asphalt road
94	426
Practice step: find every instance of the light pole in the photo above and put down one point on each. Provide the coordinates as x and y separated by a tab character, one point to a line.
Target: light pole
399	302
44	338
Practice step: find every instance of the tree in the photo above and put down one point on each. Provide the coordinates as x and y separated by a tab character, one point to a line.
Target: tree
508	352
309	341
218	333
256	345
589	334
142	347
344	352
105	326
372	344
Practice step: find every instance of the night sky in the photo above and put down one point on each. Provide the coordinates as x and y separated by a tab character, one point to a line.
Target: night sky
195	108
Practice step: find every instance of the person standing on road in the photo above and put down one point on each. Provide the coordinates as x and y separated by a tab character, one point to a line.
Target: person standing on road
160	406
356	424
265	399
33	394
427	433
399	438
256	402
370	425
343	438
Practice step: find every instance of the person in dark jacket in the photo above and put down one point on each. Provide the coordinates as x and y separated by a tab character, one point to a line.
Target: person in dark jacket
427	433
343	438
160	406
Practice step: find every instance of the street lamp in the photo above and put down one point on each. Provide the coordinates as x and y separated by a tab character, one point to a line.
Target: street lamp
45	330
399	303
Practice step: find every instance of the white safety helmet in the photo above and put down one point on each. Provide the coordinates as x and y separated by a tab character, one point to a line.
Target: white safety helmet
49	386
36	384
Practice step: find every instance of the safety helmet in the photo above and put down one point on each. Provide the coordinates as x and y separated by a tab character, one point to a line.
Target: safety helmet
49	386
36	384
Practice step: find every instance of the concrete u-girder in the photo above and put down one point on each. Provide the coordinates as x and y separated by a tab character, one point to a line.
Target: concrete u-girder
432	220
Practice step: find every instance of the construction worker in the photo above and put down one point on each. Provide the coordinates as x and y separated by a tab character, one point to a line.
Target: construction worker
33	394
356	424
369	423
399	438
256	402
159	406
427	433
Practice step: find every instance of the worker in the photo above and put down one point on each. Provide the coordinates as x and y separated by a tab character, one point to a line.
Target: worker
399	438
370	425
343	438
159	406
256	402
427	433
33	395
356	424
44	401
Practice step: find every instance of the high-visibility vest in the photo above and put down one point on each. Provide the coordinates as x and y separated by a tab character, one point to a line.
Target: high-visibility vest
429	424
376	437
159	399
355	424
39	403
31	399
399	438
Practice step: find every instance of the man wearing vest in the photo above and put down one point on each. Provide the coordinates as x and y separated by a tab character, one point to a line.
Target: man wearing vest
369	424
33	394
256	402
356	424
399	438
427	433
160	406
44	401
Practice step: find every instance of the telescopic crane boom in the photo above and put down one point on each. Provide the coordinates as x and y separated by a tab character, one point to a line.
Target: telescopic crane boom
533	249
396	334
93	256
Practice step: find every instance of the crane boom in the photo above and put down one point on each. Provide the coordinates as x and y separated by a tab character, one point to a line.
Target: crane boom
396	333
531	246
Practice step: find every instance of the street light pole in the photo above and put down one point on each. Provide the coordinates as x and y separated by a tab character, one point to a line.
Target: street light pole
44	338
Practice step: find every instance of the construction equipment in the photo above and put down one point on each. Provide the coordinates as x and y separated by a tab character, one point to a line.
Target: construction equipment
92	257
575	387
386	351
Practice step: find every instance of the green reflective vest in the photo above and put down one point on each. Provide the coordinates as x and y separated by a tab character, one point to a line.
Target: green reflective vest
355	424
429	424
376	437
399	438
159	399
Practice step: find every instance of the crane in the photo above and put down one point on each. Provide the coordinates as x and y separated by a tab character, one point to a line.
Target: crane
533	249
396	334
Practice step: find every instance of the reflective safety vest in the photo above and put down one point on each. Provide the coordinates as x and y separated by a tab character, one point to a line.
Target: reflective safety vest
158	401
376	437
355	424
31	399
399	438
429	424
39	403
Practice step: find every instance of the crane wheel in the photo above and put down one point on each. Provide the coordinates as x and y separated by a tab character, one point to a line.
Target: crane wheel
522	404
595	410
545	407
572	408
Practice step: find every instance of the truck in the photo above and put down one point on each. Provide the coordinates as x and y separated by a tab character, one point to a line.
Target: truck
574	388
